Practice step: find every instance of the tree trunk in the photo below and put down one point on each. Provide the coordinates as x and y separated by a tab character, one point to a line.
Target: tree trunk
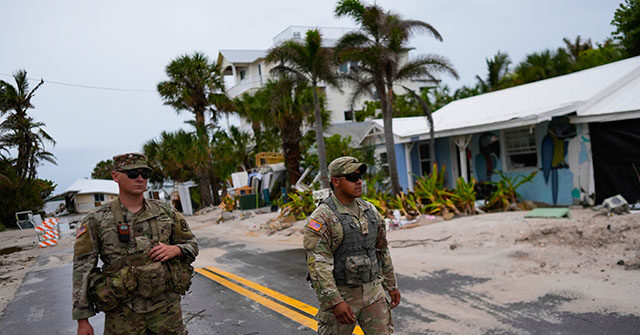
204	179
24	148
322	153
290	134
204	186
216	185
387	116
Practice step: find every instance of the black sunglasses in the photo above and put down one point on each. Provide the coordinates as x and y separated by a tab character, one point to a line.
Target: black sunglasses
133	174
352	177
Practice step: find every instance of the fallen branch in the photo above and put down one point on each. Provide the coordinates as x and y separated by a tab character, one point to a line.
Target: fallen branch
410	243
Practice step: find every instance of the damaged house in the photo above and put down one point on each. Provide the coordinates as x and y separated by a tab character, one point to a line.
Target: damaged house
581	131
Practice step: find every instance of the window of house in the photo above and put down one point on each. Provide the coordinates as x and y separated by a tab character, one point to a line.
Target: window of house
425	161
520	148
259	70
348	115
98	197
243	74
384	163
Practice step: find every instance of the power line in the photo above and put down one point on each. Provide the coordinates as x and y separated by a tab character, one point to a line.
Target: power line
87	86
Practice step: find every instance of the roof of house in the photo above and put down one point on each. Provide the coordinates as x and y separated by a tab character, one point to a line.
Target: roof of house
242	56
357	130
88	186
601	93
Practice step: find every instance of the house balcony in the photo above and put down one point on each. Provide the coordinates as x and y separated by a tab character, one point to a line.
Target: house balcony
248	84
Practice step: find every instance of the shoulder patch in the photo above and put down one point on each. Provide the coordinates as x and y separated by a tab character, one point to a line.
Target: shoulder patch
315	225
81	230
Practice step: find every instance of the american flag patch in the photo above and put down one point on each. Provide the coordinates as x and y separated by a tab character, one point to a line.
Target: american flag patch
315	225
81	230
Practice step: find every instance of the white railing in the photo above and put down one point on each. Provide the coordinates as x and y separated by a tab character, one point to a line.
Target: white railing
245	85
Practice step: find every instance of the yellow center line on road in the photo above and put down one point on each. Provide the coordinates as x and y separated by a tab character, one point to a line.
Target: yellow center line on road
295	316
300	318
267	291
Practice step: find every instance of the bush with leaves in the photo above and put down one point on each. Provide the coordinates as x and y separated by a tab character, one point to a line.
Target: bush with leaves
20	195
300	205
505	196
377	194
408	204
464	196
430	189
228	203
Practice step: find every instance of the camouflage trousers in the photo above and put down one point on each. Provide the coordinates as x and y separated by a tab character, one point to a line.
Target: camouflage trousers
374	318
164	320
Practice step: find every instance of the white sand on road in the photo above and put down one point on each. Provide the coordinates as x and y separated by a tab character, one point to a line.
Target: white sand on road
500	258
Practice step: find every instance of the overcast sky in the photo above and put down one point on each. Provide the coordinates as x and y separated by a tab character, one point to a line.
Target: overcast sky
127	44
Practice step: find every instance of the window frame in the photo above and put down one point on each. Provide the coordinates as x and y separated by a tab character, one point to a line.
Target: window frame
506	155
98	197
422	159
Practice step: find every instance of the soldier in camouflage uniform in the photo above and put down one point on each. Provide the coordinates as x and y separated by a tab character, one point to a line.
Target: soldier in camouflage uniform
348	258
146	249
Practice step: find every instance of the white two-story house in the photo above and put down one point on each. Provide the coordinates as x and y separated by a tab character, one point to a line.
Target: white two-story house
246	70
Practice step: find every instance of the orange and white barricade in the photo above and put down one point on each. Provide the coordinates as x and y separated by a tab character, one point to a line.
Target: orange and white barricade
48	232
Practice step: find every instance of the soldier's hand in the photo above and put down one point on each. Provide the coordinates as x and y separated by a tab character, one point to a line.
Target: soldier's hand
395	298
84	327
163	252
343	313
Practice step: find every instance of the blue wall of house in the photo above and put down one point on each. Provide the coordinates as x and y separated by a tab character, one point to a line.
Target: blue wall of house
401	163
443	157
536	190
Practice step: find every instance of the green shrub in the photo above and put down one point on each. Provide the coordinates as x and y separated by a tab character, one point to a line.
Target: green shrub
435	197
300	205
464	196
505	195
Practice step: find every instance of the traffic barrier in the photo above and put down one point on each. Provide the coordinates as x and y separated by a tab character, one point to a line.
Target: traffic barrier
48	232
47	243
48	224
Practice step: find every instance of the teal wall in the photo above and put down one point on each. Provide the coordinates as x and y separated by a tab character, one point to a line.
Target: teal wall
401	163
536	190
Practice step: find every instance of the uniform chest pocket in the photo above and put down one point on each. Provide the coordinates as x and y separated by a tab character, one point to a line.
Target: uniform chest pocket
151	279
163	225
358	270
109	242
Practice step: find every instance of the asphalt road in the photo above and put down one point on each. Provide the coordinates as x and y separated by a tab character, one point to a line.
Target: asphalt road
43	303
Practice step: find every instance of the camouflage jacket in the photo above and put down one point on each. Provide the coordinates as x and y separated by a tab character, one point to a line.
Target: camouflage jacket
97	236
323	235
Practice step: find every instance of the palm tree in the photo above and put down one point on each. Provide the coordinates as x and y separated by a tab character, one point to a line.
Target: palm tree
543	65
284	104
21	131
196	85
497	73
575	48
102	170
376	50
311	62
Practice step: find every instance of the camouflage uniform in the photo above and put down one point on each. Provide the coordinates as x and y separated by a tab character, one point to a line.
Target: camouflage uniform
97	236
322	237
